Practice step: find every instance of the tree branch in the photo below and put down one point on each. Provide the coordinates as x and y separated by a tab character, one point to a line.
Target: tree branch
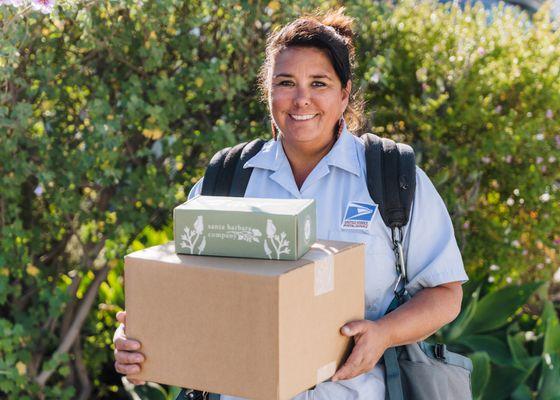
77	324
81	371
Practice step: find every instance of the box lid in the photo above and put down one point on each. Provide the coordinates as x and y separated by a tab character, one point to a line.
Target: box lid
246	204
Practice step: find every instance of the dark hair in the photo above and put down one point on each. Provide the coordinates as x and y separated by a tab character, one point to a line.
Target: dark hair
331	32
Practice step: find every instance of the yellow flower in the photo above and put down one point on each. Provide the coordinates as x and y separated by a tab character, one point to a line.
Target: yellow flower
153	134
32	270
199	82
21	368
274	5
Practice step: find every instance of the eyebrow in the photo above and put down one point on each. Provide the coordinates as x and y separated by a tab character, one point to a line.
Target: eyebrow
313	76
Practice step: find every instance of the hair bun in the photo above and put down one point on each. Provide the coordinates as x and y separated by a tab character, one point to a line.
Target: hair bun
341	23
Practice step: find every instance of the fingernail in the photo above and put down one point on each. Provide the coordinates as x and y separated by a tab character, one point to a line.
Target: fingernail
138	359
345	330
135	345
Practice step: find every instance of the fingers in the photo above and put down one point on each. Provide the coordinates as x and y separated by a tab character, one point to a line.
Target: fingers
353	328
128	357
122	343
353	366
127	369
121	317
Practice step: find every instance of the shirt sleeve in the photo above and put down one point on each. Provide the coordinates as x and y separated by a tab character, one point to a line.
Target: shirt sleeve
196	189
433	257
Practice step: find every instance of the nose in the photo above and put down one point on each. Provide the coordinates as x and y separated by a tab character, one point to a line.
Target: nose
302	97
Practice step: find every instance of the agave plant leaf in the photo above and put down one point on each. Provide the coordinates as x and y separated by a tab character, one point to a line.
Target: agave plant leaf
552	329
496	349
549	384
518	351
481	372
523	392
504	380
494	309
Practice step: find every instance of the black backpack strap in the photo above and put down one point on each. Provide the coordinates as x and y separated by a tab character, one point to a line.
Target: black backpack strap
391	178
391	181
225	175
242	175
213	170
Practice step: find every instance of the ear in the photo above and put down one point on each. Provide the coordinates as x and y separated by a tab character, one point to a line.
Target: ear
346	95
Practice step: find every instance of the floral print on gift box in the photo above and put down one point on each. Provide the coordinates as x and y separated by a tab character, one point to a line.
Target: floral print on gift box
190	236
278	242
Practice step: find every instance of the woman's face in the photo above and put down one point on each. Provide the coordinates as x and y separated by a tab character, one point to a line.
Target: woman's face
306	95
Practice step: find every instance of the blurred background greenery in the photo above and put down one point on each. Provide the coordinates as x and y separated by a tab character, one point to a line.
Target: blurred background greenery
110	110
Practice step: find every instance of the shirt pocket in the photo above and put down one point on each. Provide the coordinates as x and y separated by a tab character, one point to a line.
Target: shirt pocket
375	244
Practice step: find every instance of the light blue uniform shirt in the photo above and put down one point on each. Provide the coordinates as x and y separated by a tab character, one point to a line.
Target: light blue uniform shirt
340	178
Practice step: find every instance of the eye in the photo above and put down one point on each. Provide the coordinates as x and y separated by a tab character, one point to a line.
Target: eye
285	83
319	83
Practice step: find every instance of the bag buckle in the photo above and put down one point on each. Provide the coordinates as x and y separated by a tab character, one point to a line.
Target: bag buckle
400	263
440	351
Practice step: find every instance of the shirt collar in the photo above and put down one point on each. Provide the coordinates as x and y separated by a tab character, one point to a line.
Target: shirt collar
271	157
344	155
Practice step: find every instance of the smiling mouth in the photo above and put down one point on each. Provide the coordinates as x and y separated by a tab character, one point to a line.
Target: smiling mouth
302	117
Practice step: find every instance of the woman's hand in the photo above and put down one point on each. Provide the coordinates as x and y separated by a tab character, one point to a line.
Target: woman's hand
370	342
128	359
426	312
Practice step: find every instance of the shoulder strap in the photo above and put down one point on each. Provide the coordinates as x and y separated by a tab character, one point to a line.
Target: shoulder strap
212	171
241	175
391	178
225	175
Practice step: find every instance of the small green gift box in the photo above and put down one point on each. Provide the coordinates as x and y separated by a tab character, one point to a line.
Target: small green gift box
275	229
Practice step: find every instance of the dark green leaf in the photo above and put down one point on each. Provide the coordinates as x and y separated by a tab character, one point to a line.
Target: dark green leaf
480	374
549	385
503	382
496	349
523	392
552	330
494	309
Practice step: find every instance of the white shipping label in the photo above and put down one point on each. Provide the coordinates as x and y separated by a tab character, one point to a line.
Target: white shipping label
324	271
326	371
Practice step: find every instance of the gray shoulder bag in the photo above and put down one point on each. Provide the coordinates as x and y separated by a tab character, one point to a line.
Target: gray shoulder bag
417	371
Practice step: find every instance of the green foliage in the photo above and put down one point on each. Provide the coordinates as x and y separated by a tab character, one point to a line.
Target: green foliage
511	358
479	99
109	111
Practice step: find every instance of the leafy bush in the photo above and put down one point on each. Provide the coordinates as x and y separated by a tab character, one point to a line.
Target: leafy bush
479	99
109	111
514	355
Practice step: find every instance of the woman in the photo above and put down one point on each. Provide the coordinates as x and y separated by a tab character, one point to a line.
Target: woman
306	80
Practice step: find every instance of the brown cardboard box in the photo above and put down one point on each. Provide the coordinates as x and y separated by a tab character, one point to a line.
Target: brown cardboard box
252	328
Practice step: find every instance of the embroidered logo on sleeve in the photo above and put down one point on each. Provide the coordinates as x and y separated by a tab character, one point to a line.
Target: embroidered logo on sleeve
358	215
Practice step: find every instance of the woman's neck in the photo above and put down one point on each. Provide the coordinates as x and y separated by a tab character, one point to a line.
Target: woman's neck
303	157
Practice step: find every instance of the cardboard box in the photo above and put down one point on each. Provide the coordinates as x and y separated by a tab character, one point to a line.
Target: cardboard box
257	329
278	229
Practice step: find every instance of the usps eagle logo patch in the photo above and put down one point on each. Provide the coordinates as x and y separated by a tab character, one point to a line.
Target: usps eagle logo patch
358	215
